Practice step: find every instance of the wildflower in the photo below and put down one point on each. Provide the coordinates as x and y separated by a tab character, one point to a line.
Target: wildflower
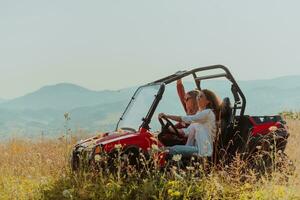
89	148
80	149
44	180
170	192
67	116
97	158
154	147
177	157
182	172
173	183
273	128
176	194
108	184
258	147
295	116
173	193
66	194
118	146
190	168
176	175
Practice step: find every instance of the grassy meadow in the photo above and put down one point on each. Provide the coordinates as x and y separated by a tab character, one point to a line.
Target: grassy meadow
40	170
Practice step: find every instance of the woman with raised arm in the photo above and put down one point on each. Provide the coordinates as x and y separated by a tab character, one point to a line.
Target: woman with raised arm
202	131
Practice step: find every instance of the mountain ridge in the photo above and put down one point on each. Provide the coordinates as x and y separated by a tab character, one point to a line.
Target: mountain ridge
291	78
62	96
43	109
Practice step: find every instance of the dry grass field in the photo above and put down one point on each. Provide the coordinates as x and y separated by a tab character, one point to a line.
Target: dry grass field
40	170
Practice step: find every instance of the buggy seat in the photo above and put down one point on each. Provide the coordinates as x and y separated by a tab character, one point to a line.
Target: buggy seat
224	120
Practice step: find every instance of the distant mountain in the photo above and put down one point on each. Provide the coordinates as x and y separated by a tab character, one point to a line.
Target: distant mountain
43	110
265	96
105	116
64	97
284	82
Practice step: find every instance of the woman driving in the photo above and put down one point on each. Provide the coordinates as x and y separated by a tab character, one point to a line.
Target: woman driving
202	131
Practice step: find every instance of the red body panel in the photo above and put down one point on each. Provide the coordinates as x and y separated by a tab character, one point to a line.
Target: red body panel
142	140
264	127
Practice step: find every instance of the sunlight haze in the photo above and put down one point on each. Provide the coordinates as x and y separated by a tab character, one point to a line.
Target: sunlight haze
117	44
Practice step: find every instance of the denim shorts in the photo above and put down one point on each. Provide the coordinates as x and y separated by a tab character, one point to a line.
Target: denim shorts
183	150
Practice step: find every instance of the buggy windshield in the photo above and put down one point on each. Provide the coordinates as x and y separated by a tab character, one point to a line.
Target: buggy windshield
139	107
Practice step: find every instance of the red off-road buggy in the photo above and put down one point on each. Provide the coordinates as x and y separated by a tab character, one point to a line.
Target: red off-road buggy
238	133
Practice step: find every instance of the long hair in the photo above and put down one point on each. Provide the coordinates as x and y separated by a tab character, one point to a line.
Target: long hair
214	102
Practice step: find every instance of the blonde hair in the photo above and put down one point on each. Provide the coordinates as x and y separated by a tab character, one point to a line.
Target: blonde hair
193	93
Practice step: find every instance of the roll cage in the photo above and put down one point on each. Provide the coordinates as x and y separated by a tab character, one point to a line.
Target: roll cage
239	98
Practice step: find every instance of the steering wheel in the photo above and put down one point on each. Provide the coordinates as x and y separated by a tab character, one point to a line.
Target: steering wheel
165	126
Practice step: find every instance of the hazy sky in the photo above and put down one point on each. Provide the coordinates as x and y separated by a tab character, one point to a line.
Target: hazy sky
116	43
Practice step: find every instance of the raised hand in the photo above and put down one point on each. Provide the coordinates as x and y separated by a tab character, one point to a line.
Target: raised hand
179	82
161	115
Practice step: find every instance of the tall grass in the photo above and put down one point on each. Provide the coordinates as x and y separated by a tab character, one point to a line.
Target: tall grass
40	170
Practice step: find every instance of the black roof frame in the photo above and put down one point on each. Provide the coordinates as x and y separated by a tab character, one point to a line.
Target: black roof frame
239	97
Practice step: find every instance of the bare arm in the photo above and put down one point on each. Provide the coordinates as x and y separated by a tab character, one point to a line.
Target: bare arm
175	118
198	117
172	117
181	93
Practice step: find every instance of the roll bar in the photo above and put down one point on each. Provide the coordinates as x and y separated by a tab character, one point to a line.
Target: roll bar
239	97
